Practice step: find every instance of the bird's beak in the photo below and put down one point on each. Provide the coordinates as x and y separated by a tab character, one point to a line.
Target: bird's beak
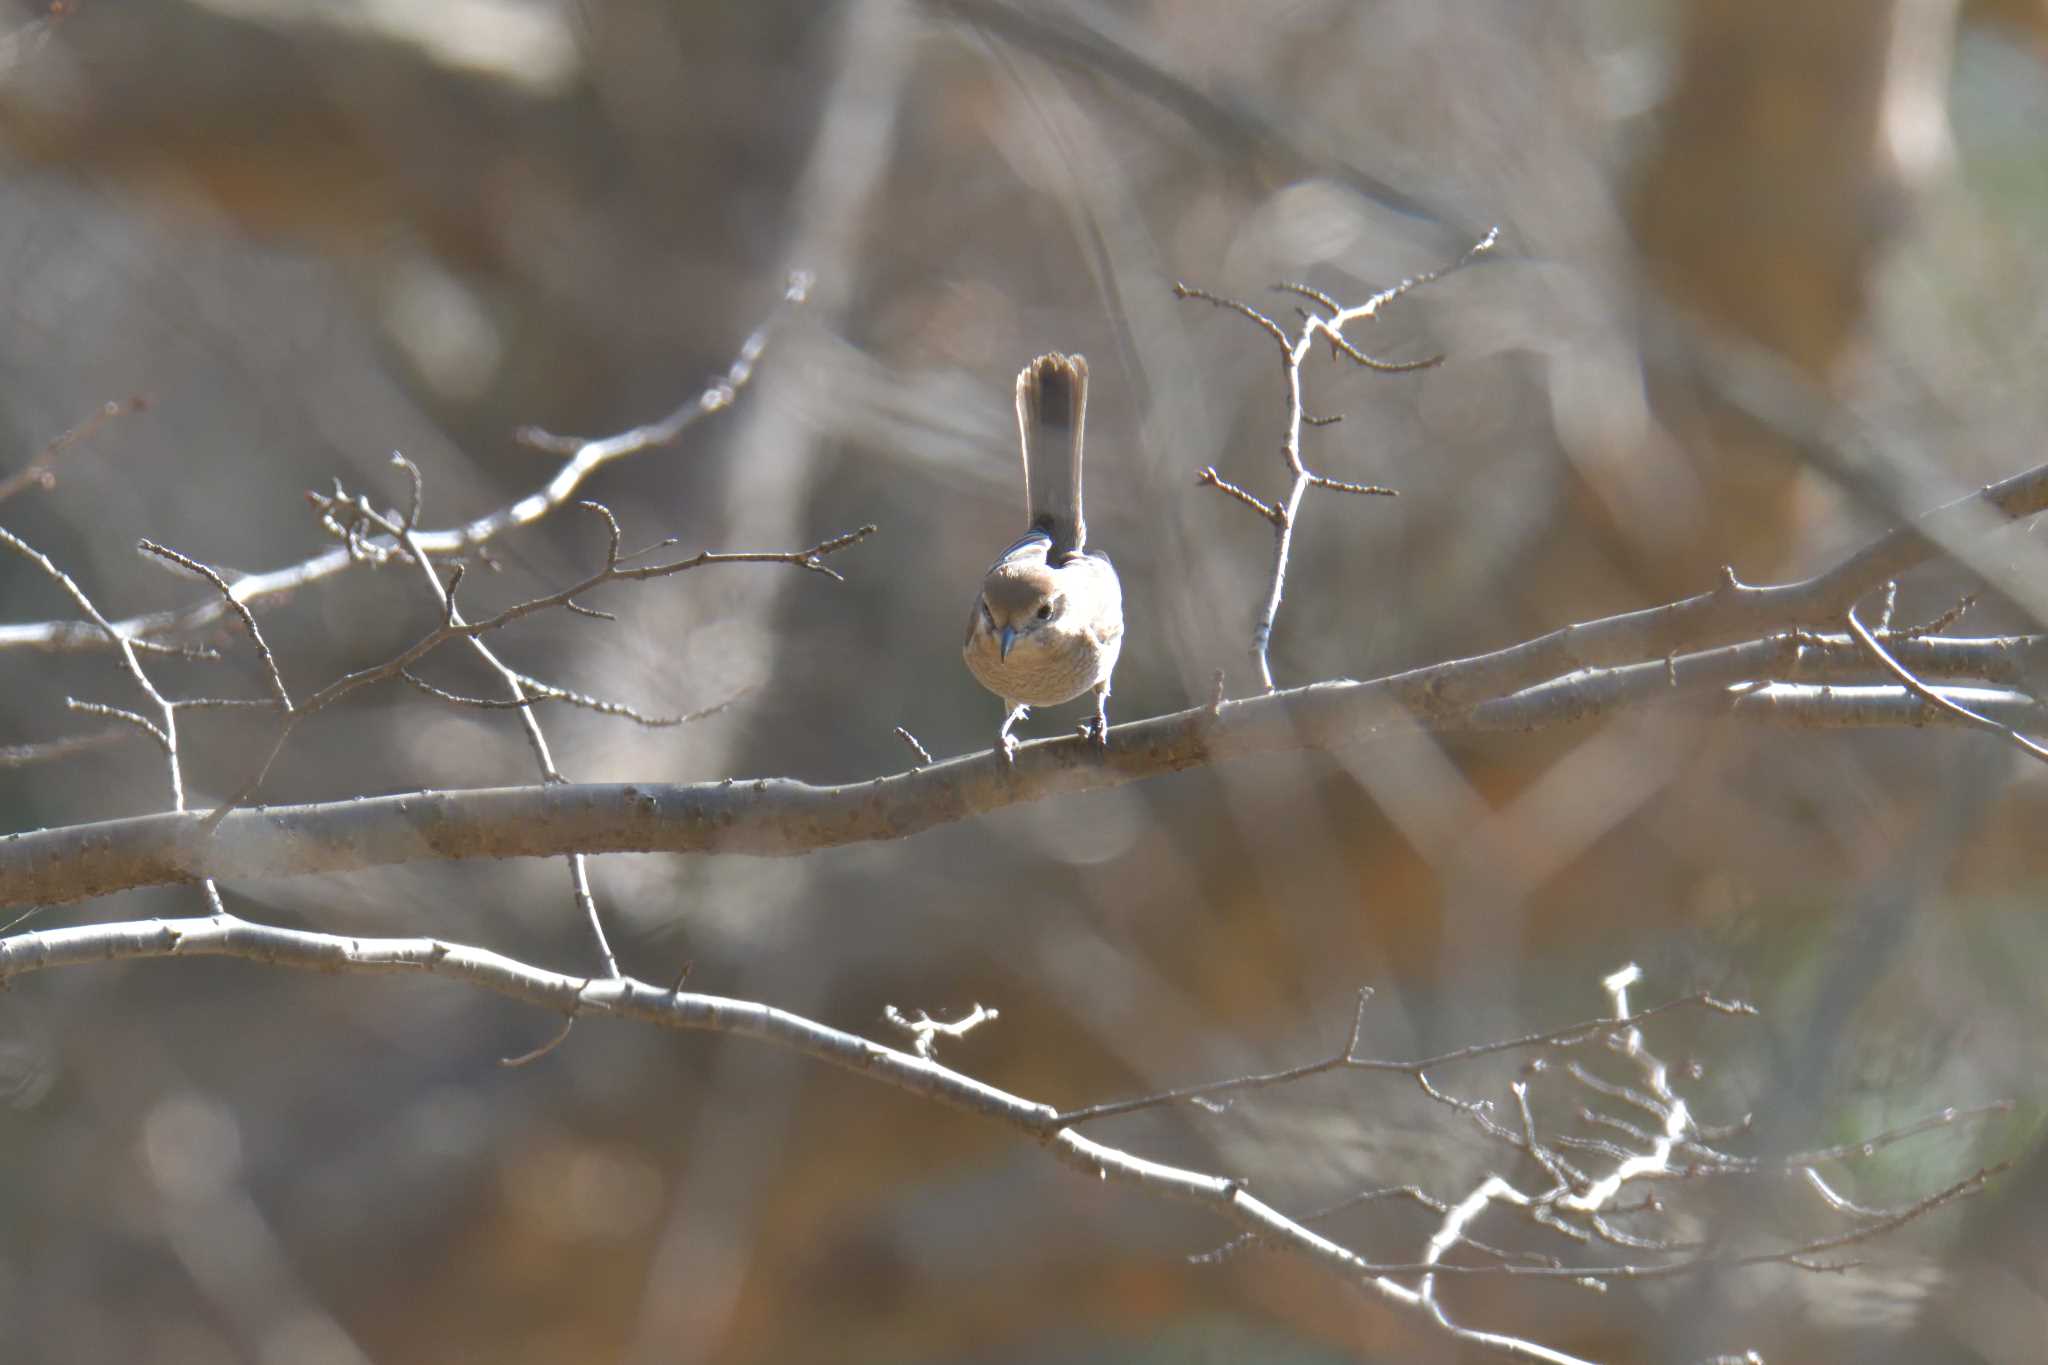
1009	638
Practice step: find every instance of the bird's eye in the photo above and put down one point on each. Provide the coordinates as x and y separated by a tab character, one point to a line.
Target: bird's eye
1045	611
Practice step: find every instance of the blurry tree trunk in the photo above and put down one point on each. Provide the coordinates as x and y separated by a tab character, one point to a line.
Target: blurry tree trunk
1793	143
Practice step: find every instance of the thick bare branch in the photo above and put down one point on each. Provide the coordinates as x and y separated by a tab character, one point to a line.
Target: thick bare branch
1733	611
773	817
1518	687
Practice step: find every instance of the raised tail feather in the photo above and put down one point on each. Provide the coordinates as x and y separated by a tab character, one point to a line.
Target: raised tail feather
1052	401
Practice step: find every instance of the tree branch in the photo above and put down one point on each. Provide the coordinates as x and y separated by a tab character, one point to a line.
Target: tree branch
1284	512
627	998
1520	687
585	457
770	817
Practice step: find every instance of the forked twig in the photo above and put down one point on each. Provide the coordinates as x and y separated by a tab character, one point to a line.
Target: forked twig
1283	513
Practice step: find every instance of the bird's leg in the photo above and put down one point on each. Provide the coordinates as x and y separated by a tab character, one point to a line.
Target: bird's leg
1006	741
1097	726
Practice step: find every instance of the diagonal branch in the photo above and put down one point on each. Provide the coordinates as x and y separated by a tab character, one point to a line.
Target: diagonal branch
586	457
1934	698
41	472
624	997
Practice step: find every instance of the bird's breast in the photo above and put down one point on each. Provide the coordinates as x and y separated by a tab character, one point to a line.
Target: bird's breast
1044	668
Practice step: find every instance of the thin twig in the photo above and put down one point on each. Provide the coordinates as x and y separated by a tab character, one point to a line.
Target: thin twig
1572	1035
1339	486
926	1031
924	755
233	604
40	472
164	729
538	691
1209	478
454	627
560	1037
537	740
54	750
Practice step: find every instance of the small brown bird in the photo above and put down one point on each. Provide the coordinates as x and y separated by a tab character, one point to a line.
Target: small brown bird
1048	622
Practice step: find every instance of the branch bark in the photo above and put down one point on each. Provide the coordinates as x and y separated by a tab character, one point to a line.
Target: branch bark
1521	687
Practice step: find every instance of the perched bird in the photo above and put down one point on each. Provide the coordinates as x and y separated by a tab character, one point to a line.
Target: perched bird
1048	621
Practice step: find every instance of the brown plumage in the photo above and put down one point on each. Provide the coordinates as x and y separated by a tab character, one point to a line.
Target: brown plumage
1048	623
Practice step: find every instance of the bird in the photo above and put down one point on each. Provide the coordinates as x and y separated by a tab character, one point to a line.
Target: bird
1048	619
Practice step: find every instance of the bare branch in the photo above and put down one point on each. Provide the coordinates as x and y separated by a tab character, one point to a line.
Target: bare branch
1838	707
1339	344
1733	612
233	604
528	1058
1209	478
1933	627
1572	1035
715	398
1877	1142
1282	513
1339	486
763	816
53	750
1934	698
536	738
627	998
1520	686
538	691
924	755
165	728
138	723
1270	327
926	1031
585	458
41	472
917	1073
781	816
454	627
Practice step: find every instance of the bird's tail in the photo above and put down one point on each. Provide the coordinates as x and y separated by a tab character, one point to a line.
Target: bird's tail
1052	400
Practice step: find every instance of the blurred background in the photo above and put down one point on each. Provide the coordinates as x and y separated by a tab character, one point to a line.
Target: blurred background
310	232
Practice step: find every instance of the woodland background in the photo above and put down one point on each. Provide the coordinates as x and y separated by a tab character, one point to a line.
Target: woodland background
308	234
